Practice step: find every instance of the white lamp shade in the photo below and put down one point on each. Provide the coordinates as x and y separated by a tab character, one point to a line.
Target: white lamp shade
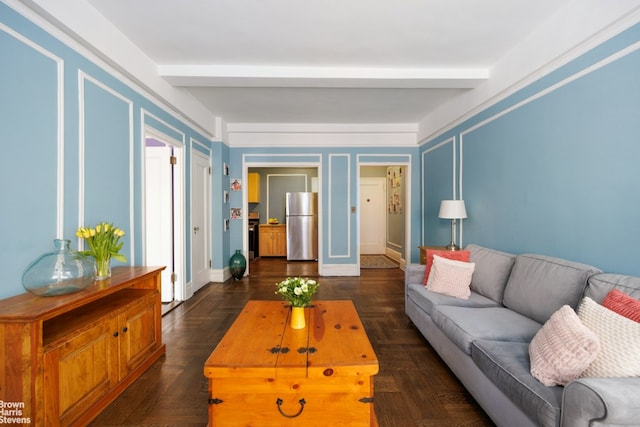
452	209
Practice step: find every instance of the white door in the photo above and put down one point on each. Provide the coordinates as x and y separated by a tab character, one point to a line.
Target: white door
200	231
159	215
373	217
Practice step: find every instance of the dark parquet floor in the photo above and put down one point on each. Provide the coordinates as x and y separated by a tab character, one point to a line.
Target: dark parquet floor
413	388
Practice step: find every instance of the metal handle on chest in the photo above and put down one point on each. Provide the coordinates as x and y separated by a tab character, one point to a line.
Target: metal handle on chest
302	402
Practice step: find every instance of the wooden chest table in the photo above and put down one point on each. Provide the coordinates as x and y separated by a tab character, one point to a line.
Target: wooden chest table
263	373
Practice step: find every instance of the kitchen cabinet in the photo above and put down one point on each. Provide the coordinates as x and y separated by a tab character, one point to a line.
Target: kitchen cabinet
253	187
273	240
74	354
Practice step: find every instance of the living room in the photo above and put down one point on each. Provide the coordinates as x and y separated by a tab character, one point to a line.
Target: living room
542	147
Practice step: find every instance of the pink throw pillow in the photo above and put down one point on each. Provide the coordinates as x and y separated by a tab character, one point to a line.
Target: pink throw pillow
455	255
562	349
622	304
451	277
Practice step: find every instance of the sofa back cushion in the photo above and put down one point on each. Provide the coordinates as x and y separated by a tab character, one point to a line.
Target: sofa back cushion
491	272
601	284
539	285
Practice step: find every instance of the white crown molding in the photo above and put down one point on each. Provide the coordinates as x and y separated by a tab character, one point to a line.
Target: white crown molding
573	31
79	25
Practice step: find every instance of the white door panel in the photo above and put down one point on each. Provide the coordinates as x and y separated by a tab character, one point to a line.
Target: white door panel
373	219
200	230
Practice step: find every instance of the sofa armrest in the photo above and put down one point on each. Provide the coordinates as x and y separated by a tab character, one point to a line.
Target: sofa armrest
612	401
413	275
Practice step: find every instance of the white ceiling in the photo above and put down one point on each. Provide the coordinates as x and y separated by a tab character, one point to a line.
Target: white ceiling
329	61
409	68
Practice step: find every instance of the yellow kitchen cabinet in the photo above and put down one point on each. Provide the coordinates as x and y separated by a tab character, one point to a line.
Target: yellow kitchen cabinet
253	188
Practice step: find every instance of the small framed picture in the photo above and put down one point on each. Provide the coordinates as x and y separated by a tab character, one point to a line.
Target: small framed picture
225	169
225	196
225	225
236	184
236	213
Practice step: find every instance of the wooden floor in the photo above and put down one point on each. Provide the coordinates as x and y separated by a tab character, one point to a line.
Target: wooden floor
413	388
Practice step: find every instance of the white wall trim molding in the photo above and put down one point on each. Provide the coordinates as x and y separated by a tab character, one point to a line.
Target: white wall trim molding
339	270
59	123
582	26
347	208
83	78
321	139
452	141
116	55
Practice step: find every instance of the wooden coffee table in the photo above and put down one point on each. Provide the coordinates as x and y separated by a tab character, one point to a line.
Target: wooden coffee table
263	373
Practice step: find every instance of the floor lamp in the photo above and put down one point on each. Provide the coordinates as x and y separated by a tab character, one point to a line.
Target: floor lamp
452	209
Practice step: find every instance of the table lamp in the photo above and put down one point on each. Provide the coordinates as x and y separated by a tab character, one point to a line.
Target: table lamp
452	209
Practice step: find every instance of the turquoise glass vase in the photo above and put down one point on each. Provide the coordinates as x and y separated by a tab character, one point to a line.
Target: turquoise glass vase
237	265
63	271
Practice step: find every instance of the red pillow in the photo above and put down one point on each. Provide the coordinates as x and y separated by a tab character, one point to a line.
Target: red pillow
622	304
454	255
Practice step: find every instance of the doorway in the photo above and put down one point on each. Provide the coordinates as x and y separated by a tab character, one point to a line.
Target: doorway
373	218
200	219
164	211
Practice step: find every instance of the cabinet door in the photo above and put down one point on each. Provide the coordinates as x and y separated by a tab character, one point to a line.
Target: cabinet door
253	192
79	372
137	333
266	240
280	241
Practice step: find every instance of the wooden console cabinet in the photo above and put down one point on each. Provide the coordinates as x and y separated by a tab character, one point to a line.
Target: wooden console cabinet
273	240
67	357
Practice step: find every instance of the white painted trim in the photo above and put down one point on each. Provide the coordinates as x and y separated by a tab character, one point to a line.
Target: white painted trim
59	124
84	77
208	220
329	221
339	270
92	36
564	37
452	141
314	162
321	139
323	128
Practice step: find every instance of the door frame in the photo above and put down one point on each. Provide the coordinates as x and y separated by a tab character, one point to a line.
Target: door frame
406	253
377	180
180	286
245	200
207	222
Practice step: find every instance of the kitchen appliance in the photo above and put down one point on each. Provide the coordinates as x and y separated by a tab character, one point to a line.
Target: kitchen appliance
254	242
302	225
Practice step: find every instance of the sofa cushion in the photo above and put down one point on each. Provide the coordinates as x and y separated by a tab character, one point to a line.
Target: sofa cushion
539	285
492	271
450	277
506	364
619	341
455	255
622	304
464	325
426	299
601	284
562	349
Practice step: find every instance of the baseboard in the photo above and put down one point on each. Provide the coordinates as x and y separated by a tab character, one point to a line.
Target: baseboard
338	270
396	256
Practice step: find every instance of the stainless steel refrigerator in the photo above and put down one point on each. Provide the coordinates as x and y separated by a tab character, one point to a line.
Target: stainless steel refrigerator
302	226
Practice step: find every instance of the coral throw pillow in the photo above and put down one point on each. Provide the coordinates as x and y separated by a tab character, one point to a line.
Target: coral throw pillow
562	349
619	341
451	277
455	255
622	304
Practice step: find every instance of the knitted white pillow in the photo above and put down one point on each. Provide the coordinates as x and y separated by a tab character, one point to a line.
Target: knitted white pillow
562	349
619	341
450	277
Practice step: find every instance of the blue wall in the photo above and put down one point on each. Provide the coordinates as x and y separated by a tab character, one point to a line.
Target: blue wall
72	139
552	169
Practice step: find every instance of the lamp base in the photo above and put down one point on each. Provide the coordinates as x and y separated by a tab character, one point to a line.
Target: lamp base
452	247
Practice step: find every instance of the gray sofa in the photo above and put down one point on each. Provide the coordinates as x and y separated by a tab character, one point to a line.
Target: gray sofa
484	340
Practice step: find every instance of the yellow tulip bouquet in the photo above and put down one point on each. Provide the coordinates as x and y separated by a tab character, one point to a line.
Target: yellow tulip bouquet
104	244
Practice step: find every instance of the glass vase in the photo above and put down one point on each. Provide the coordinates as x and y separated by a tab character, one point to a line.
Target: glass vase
57	273
298	320
103	268
237	265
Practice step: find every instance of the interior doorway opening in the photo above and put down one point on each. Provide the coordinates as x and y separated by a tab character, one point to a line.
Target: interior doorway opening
163	224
